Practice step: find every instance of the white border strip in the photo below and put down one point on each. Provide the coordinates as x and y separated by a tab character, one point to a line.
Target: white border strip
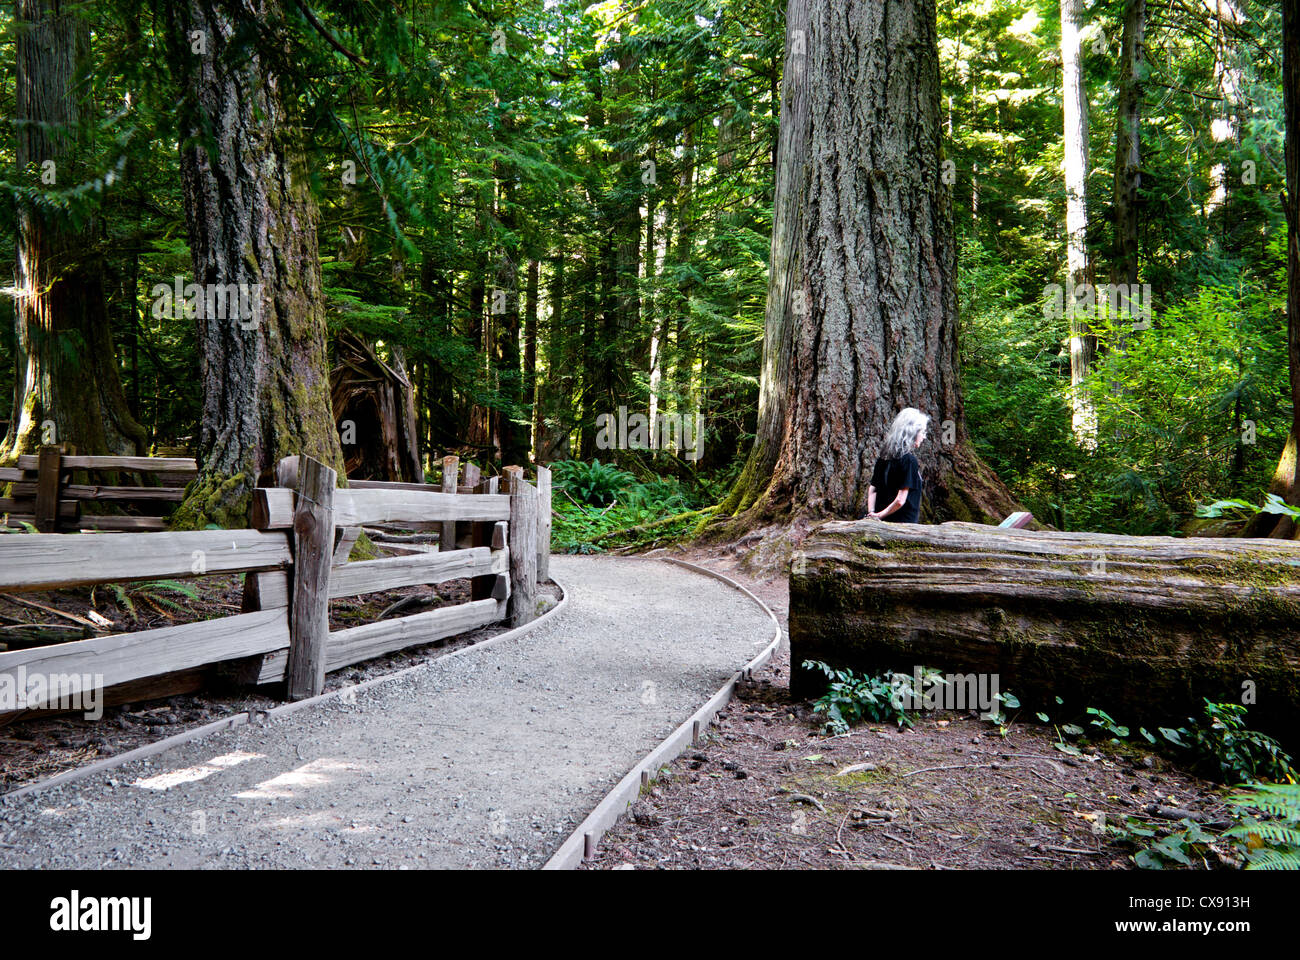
581	844
240	719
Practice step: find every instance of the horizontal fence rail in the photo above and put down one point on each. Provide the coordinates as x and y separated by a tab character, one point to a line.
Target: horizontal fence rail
41	493
294	562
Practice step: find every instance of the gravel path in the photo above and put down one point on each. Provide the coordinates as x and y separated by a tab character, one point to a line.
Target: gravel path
489	759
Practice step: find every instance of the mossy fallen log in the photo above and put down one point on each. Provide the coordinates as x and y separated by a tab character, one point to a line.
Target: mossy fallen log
1143	627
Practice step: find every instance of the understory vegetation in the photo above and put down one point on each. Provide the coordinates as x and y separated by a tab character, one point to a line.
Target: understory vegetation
1263	829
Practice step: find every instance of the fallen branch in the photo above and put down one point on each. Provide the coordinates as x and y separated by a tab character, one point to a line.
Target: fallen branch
48	609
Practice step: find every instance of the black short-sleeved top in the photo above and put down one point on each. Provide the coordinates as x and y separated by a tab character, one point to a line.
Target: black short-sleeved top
889	477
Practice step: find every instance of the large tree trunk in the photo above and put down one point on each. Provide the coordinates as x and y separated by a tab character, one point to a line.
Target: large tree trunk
512	436
66	384
252	221
785	265
1143	627
873	310
1285	477
1128	143
1083	343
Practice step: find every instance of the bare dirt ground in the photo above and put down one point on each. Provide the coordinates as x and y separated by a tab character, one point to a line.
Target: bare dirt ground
768	790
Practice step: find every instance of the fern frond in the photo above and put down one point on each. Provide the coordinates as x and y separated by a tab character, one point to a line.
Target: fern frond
1275	860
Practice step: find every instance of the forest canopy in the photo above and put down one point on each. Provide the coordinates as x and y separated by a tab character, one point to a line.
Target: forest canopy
539	214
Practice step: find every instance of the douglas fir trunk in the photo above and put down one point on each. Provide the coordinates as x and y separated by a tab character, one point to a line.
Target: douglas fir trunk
66	386
865	261
252	226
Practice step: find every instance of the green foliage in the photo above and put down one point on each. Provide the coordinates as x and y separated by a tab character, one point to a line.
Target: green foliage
595	483
1230	752
851	699
1264	835
155	593
1269	827
1272	504
634	513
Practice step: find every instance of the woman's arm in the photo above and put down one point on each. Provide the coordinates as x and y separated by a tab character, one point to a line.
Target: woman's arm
896	505
871	499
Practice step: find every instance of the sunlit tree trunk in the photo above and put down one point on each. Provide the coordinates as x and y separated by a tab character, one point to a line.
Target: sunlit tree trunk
1284	478
1075	102
66	384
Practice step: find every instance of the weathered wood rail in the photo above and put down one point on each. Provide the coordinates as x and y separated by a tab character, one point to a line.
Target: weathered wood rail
1143	627
42	494
295	561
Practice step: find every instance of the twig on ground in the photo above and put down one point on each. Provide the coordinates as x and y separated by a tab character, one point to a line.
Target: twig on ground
951	766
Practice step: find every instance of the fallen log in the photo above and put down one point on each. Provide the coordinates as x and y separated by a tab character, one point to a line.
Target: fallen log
1142	627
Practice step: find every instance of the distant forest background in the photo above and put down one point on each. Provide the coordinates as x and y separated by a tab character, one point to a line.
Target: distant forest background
538	212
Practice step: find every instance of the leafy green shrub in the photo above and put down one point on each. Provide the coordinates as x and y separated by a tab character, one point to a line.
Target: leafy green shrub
852	699
1272	504
595	483
638	513
1230	752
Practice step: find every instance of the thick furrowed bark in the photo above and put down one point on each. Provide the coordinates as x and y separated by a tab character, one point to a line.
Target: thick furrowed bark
863	292
67	388
252	224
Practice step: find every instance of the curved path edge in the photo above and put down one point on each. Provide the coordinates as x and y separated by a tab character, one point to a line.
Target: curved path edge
581	844
257	716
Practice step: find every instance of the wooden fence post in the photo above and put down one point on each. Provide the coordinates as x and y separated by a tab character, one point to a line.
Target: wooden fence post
469	481
480	535
313	535
543	522
450	477
47	489
523	548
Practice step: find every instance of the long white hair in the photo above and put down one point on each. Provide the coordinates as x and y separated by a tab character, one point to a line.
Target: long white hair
901	438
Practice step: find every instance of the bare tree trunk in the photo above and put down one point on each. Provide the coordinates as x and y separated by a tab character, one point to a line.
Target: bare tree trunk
873	309
252	223
784	291
1074	98
66	385
1284	477
530	348
1128	142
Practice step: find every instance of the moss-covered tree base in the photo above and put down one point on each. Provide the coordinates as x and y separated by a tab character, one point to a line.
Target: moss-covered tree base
967	491
211	500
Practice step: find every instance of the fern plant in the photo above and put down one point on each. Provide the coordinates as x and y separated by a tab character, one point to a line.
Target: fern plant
596	484
1272	843
154	593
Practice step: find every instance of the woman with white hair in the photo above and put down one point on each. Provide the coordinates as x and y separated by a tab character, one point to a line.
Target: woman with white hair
897	478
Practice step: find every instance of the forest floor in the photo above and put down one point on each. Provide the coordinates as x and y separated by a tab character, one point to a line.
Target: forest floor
36	745
767	789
